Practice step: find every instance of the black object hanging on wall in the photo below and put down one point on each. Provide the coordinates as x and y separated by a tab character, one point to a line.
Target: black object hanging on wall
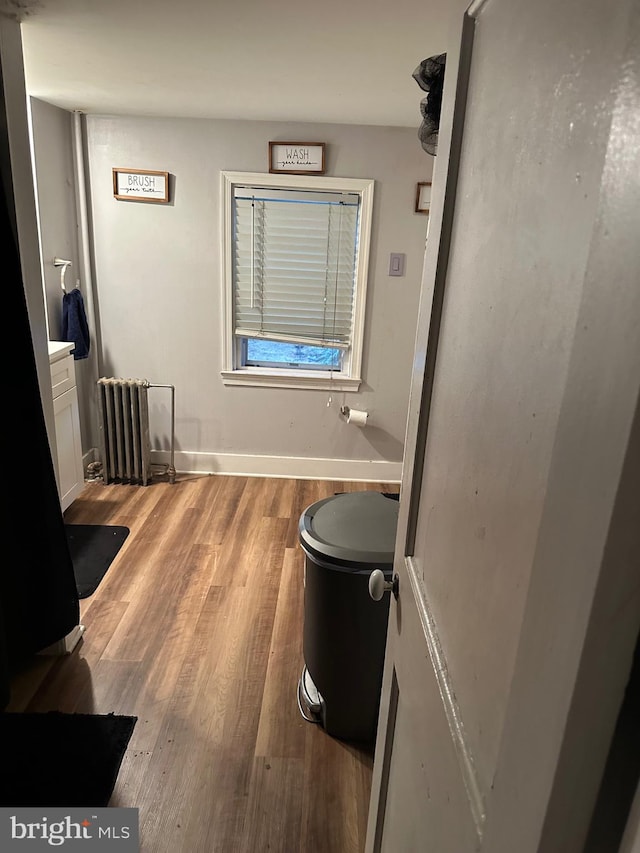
38	597
429	75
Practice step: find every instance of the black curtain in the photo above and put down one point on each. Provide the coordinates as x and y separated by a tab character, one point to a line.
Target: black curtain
38	597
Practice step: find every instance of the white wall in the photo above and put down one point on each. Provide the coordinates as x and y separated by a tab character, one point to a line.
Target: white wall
159	296
52	132
55	180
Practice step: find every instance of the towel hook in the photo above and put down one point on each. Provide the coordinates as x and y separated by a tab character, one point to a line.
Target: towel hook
60	262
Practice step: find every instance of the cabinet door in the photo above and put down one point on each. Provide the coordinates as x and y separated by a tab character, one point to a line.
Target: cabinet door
68	447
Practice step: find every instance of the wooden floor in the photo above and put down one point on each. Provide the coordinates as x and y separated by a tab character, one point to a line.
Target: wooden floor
197	630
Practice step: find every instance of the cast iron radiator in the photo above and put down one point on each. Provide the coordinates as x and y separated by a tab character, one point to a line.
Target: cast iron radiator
123	408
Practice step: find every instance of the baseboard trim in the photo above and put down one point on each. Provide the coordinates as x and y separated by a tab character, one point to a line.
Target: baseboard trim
290	467
66	645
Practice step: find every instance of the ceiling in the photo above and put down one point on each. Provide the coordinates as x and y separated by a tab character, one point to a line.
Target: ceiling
346	61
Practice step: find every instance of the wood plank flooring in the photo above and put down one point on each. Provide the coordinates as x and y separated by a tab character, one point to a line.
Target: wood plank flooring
197	630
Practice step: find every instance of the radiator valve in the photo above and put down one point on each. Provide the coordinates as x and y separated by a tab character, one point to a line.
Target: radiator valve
94	470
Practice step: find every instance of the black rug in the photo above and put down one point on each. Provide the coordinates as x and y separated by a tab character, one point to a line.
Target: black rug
93	548
56	759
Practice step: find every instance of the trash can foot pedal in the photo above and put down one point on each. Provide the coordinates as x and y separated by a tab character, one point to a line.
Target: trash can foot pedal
309	700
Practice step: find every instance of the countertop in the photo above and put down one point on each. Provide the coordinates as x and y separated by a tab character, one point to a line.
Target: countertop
59	349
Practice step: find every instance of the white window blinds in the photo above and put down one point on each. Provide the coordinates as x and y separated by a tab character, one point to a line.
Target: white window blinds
294	264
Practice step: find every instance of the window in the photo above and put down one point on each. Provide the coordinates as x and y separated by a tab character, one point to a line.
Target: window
295	268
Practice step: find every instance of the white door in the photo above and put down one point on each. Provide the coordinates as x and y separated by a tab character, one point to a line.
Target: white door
510	643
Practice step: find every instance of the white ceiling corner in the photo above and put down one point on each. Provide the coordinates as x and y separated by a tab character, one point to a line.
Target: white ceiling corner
345	61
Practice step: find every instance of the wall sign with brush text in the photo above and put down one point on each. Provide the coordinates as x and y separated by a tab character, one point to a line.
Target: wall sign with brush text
141	185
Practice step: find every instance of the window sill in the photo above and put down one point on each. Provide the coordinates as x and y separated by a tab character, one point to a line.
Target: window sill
314	380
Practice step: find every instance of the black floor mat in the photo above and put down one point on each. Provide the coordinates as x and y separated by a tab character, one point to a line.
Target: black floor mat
56	759
93	548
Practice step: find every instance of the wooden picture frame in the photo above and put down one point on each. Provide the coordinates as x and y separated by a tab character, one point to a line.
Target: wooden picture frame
141	185
423	197
297	158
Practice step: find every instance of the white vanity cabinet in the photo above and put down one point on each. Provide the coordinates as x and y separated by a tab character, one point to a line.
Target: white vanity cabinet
70	470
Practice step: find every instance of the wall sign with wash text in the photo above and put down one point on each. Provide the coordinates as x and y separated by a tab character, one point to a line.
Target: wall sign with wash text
297	158
141	185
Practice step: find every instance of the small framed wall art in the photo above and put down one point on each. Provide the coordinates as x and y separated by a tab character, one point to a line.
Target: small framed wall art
297	158
423	197
141	185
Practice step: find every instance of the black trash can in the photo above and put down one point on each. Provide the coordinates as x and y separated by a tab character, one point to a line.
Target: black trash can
344	538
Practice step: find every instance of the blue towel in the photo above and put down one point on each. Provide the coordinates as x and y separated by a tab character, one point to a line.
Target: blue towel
74	323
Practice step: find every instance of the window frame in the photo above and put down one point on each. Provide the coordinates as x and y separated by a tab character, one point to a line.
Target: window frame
233	372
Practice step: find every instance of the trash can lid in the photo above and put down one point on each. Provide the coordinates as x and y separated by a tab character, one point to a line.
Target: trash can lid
355	529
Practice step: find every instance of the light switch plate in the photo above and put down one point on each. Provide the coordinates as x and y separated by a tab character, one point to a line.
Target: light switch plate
396	263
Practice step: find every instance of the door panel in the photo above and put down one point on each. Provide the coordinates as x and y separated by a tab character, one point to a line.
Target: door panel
490	484
432	787
514	286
